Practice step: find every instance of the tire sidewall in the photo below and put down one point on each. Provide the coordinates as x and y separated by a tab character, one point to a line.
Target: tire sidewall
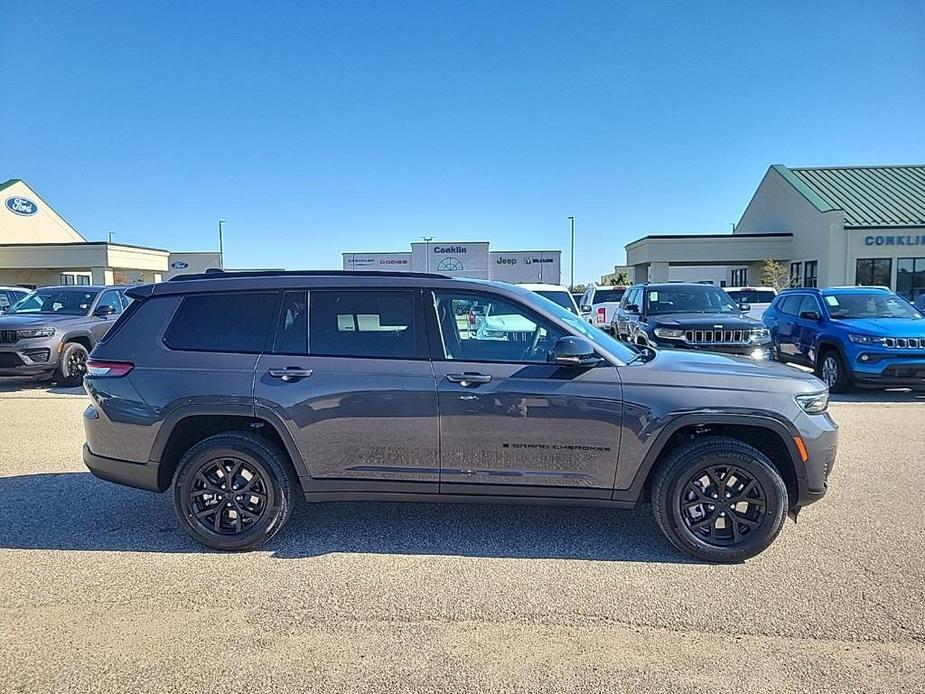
193	462
62	374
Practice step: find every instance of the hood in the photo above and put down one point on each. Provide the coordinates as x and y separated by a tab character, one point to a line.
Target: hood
26	320
693	368
883	327
708	321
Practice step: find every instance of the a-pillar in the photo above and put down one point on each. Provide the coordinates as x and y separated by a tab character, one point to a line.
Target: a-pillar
102	275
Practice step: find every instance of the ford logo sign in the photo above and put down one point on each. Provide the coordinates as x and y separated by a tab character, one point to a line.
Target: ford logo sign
21	206
179	265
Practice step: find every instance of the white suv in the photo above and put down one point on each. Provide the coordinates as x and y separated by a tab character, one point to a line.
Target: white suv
555	293
758	298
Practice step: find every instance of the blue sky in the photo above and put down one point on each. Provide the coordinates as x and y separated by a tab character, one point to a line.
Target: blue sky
317	128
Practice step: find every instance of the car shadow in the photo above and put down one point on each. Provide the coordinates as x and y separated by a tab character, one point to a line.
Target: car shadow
76	511
27	386
894	395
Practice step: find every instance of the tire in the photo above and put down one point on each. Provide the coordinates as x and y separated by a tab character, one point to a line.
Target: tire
832	370
72	365
695	530
214	515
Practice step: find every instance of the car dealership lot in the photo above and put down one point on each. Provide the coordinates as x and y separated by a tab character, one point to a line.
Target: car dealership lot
102	591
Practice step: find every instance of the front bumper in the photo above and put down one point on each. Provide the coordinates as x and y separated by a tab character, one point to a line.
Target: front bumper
889	368
820	437
138	475
28	359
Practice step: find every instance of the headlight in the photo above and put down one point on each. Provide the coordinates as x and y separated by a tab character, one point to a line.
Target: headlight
814	403
35	332
760	334
865	339
669	333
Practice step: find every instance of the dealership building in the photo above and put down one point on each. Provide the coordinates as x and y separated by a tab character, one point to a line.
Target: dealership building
465	259
39	247
830	226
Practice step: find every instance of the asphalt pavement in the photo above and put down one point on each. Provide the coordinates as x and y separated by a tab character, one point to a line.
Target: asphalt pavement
101	592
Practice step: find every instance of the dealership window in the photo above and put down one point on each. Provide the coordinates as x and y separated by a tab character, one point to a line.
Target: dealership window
232	322
740	277
810	273
796	274
374	324
873	272
910	277
75	278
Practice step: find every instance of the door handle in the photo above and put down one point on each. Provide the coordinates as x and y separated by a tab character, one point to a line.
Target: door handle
290	373
467	380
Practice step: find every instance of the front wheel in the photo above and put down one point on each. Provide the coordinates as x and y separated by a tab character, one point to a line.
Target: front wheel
72	365
832	371
234	491
719	499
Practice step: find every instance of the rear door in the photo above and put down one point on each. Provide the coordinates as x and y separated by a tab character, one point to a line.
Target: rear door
805	330
786	326
348	373
510	422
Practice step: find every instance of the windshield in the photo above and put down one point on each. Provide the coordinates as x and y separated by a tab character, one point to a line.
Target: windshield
604	295
564	299
751	296
621	351
64	302
870	305
681	299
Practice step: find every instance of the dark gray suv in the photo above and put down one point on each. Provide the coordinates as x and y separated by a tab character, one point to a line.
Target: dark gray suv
244	391
48	333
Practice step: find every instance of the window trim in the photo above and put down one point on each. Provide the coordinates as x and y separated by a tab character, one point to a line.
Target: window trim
417	307
440	354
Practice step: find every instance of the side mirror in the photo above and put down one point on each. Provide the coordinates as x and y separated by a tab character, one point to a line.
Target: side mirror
810	315
631	308
745	308
104	310
574	351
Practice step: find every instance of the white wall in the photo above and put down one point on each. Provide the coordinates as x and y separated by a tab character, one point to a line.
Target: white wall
43	226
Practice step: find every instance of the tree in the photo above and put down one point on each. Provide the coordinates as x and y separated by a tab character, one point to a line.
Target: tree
774	274
621	279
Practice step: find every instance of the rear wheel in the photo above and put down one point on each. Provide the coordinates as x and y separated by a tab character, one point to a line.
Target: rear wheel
72	365
719	499
832	370
234	491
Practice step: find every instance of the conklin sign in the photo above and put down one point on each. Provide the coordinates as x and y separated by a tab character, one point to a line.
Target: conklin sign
895	240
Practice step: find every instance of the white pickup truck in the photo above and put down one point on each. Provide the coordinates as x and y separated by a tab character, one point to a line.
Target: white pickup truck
599	304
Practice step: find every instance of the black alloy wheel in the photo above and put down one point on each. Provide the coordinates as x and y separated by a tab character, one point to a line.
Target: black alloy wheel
72	365
721	505
228	495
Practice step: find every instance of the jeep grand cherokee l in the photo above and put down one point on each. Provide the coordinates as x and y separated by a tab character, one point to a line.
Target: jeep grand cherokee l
243	391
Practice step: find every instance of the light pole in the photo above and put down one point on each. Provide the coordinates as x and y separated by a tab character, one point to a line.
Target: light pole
427	240
111	234
572	255
221	244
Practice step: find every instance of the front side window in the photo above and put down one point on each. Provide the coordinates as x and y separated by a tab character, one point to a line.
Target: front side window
873	272
374	324
681	299
869	305
790	304
111	298
229	322
487	328
65	302
808	304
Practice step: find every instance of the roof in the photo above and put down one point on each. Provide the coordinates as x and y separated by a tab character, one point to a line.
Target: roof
870	196
839	290
216	273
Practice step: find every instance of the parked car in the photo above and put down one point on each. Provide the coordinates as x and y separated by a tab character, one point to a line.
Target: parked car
556	293
758	298
49	332
244	391
850	335
689	316
9	296
598	305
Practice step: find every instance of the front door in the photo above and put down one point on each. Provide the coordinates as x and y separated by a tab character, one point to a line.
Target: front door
348	374
511	423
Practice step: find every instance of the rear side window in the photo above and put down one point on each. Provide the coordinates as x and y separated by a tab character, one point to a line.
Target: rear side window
230	322
365	324
790	304
292	327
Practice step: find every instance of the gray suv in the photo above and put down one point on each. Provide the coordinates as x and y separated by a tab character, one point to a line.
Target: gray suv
49	332
244	391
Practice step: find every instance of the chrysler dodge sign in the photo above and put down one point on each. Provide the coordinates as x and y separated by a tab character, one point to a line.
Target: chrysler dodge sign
21	206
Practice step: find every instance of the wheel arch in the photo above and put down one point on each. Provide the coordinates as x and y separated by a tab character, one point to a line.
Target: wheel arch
826	343
184	427
82	338
771	436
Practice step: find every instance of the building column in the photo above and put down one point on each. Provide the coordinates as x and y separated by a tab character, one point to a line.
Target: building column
639	273
102	275
658	272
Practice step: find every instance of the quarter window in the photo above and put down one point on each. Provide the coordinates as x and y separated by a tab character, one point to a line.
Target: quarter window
485	328
375	324
232	322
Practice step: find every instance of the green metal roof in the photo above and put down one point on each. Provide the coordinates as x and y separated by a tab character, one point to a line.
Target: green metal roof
870	196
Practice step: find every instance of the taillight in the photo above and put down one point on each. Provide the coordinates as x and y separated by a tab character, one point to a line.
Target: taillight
601	314
108	369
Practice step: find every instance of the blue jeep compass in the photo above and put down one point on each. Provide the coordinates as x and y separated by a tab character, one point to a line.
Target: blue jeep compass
862	335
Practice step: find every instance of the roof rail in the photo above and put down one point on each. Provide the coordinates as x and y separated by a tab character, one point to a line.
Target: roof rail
217	273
